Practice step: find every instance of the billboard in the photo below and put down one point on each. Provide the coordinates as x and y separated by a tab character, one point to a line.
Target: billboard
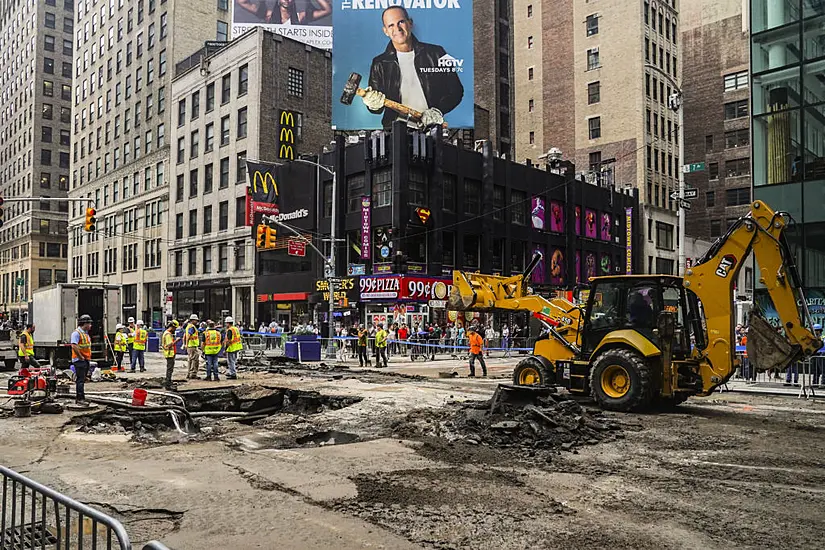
307	21
539	275
556	217
416	57
557	267
537	213
280	190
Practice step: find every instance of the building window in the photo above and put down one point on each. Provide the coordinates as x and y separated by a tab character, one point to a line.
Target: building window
181	150
194	143
223	216
355	190
209	144
472	251
518	207
181	112
593	92
738	197
241	123
592	23
48	88
240	211
417	187
240	168
499	203
532	137
594	127
207	259
593	59
226	89
715	228
449	192
225	131
737	167
472	197
381	188
193	223
179	226
713	171
737	138
295	82
222	34
210	97
207	219
223	258
192	265
664	236
243	80
224	177
736	109
530	10
595	161
208	176
193	183
529	42
530	73
530	105
736	81
710	198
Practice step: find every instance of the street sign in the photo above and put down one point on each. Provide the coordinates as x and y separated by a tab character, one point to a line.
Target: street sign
356	269
437	304
684	205
296	247
694	167
689	194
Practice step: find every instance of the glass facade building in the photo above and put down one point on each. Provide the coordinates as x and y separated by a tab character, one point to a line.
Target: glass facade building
788	125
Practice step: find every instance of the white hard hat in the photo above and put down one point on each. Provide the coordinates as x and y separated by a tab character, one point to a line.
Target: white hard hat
131	319
139	323
118	326
193	317
229	320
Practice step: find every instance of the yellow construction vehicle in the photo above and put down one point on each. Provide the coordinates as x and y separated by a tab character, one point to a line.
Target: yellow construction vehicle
645	340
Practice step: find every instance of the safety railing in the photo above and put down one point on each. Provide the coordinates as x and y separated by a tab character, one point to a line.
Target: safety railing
35	516
806	376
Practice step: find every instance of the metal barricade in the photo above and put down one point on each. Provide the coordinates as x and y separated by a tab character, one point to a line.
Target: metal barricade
35	516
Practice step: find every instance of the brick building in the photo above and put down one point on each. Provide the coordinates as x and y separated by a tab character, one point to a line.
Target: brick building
227	107
593	80
36	38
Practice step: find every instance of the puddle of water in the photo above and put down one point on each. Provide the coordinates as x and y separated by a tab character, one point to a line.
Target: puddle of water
328	437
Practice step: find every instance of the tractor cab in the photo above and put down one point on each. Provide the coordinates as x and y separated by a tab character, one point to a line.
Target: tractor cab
626	311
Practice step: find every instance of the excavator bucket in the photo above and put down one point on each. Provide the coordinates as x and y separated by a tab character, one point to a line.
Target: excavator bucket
457	302
768	349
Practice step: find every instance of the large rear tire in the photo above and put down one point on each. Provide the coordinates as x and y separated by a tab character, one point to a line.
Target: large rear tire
621	381
530	372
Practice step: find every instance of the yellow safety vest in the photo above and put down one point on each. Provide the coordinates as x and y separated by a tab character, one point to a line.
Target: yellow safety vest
234	340
212	342
193	340
381	339
120	341
168	341
140	339
29	345
131	337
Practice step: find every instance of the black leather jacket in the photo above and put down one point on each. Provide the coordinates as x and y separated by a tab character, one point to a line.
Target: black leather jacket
443	90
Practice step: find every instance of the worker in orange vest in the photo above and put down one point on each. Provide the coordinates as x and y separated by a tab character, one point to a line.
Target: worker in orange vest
81	356
476	351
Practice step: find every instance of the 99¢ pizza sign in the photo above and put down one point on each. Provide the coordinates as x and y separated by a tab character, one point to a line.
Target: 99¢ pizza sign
402	287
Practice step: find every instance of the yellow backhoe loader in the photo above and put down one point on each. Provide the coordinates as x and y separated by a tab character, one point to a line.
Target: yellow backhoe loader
646	340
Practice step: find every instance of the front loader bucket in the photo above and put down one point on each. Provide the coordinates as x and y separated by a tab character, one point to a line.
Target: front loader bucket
457	302
767	349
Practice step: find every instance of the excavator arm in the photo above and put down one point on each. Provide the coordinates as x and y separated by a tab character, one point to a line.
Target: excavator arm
712	280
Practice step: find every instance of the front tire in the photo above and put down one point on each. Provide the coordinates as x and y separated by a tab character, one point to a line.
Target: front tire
530	372
621	381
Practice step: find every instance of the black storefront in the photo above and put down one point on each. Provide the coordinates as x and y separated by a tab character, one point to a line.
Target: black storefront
444	207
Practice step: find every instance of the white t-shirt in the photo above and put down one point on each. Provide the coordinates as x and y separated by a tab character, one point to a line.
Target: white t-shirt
412	94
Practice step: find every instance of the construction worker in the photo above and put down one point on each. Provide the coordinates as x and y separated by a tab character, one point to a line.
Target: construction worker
363	356
121	346
476	351
232	342
169	344
211	349
191	341
381	346
130	342
139	347
81	356
25	348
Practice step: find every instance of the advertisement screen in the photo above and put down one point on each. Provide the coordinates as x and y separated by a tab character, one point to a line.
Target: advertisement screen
307	21
537	213
539	275
556	217
402	62
590	226
557	267
605	226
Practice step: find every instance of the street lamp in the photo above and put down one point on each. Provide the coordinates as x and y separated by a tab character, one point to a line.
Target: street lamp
329	261
674	103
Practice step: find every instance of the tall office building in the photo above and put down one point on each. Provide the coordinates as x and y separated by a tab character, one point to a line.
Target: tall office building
35	116
715	57
125	54
593	80
788	127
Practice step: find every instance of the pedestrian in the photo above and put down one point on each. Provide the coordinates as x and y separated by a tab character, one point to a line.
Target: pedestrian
818	360
139	347
476	352
169	345
121	346
25	348
130	342
489	338
81	356
191	340
403	334
211	349
381	346
392	336
363	356
232	341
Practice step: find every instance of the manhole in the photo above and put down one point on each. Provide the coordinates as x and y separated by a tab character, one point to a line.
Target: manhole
27	536
327	437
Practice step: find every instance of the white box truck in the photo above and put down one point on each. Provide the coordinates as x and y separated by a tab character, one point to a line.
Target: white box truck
55	311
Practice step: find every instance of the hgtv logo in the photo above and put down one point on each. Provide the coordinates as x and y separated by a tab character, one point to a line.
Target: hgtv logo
446	64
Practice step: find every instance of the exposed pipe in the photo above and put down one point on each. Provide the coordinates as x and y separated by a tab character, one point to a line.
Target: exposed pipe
153	392
239	414
174	415
130	407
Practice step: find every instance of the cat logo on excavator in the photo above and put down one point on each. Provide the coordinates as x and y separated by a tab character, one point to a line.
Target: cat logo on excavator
727	263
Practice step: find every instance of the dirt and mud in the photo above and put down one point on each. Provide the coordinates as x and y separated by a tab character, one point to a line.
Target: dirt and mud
385	461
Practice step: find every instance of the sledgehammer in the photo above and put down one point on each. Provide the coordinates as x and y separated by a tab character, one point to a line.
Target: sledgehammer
351	89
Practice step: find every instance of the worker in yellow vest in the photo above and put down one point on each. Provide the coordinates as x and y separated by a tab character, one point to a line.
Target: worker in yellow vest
169	343
139	347
211	349
25	348
192	342
232	341
121	346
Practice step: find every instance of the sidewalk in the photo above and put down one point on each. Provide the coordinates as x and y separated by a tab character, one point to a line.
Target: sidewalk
772	388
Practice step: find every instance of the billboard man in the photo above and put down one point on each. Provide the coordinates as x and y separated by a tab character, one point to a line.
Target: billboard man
285	12
401	74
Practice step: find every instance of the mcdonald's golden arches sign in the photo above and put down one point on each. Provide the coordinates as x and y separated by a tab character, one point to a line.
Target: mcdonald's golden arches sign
286	136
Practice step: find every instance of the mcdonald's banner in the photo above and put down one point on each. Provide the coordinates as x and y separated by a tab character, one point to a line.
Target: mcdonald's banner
263	177
286	191
286	136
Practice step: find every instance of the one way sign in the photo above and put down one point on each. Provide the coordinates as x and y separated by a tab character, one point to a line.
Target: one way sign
689	194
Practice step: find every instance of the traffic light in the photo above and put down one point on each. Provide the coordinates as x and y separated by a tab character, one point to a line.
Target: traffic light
1	211
89	226
269	242
265	237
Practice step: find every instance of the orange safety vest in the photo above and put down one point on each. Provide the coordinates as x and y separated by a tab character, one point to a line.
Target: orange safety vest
476	343
234	340
140	339
85	346
212	342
